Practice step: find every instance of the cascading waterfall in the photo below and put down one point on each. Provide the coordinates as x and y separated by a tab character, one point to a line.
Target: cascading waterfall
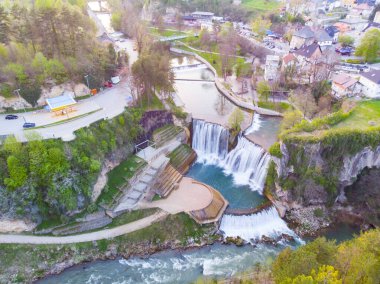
210	141
253	227
248	163
255	125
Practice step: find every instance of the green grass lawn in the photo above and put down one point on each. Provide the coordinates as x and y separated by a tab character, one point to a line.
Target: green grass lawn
164	33
213	59
118	177
362	114
280	106
261	5
129	217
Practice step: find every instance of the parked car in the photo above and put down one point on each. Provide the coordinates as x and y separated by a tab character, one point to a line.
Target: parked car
29	125
107	84
11	116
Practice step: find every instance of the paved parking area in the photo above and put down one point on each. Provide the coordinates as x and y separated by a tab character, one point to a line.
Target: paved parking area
112	102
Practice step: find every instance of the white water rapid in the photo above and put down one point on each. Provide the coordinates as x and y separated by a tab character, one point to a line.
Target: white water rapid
248	163
253	227
210	141
255	125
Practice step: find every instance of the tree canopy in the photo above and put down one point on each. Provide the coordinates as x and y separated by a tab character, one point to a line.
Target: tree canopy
370	45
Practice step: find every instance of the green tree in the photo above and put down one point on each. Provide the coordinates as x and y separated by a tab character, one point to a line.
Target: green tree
346	40
370	45
326	274
260	26
290	118
264	90
4	26
290	264
17	173
116	21
235	119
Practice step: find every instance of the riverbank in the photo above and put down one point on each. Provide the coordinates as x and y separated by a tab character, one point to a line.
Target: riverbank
28	263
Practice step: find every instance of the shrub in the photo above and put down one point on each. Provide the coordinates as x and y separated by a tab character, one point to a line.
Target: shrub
275	150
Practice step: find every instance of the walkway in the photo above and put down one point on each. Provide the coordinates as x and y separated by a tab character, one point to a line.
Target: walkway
94	236
228	94
188	197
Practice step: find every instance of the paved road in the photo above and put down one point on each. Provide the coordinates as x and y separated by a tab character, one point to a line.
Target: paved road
94	236
112	102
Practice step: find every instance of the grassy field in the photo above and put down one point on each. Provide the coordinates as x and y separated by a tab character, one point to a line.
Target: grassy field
361	116
260	5
213	59
164	33
278	106
118	177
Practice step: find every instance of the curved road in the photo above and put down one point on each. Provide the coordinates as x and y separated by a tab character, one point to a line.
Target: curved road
94	236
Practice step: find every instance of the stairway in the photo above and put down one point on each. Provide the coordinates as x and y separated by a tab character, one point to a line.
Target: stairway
140	185
169	180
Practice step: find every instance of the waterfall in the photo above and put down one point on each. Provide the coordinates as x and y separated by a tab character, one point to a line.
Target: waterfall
253	227
248	163
255	125
210	141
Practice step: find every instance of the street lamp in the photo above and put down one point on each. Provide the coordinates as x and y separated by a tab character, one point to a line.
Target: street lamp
88	85
19	96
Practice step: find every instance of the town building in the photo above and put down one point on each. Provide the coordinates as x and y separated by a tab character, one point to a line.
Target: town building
289	60
203	16
308	54
377	17
62	104
344	85
323	38
271	67
304	36
333	32
370	82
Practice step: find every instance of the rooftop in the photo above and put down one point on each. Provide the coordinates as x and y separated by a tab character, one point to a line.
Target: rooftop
288	58
373	75
344	80
307	51
199	13
305	32
322	35
60	102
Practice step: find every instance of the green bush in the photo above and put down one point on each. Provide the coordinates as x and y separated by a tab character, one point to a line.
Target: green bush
275	150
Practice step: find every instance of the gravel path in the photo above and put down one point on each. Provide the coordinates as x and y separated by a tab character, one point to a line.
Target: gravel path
94	236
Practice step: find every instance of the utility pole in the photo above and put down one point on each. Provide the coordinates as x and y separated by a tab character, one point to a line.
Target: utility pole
19	96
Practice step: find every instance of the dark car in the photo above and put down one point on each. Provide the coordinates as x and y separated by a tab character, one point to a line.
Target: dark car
11	116
29	125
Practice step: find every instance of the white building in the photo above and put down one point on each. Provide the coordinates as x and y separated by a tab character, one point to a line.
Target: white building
377	18
370	82
271	67
344	85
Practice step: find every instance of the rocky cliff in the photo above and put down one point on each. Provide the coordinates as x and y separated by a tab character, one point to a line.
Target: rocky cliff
312	178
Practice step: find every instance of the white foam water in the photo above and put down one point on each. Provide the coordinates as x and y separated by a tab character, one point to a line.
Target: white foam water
253	227
210	141
255	124
248	163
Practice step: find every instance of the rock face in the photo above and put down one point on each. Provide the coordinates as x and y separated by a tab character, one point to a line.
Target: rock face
14	102
313	175
354	165
16	226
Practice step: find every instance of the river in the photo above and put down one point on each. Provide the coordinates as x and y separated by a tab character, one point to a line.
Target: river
238	175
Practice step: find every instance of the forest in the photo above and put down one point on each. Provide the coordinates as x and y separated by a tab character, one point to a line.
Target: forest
49	43
51	178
